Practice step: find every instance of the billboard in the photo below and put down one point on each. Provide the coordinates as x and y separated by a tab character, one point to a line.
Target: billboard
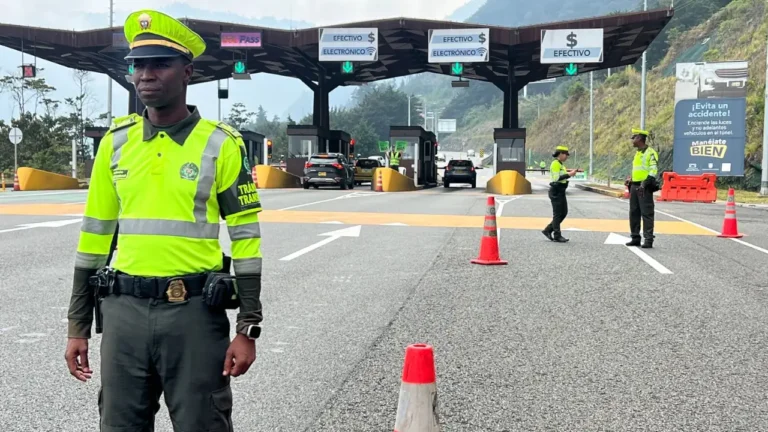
710	118
241	40
446	125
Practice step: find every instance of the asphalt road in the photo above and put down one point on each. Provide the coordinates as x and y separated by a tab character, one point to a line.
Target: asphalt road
576	336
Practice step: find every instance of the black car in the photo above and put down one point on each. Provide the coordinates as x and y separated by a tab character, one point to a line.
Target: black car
330	169
460	171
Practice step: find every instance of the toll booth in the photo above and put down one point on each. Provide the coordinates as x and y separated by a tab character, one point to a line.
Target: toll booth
509	150
255	148
340	142
303	140
418	158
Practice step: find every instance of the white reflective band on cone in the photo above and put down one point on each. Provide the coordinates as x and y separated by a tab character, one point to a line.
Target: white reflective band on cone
417	408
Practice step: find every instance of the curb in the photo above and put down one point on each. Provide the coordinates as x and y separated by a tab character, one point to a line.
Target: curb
616	194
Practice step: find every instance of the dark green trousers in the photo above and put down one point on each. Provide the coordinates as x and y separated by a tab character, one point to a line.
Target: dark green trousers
641	208
559	209
152	347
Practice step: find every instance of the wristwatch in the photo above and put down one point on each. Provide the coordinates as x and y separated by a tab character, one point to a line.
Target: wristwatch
253	331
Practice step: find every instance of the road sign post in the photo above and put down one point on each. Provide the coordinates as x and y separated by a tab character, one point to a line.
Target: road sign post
15	136
459	46
348	45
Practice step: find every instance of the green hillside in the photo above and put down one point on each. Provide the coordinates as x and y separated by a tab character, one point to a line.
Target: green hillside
736	32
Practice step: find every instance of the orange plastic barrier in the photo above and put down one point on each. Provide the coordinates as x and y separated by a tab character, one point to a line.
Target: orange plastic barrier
689	188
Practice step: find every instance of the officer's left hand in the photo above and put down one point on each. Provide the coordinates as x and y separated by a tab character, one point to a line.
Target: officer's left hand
240	356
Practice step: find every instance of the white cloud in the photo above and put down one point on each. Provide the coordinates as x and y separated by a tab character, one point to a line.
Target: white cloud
49	13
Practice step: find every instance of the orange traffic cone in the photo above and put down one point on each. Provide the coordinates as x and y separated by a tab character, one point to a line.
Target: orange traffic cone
489	244
417	405
379	182
730	225
16	185
626	192
253	176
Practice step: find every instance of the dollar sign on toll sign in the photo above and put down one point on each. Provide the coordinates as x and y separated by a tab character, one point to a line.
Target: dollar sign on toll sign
371	37
572	40
482	38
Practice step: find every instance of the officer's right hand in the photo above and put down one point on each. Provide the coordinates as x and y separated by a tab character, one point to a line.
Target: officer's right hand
76	356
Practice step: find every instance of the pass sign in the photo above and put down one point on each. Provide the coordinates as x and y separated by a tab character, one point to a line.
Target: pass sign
571	46
459	45
349	44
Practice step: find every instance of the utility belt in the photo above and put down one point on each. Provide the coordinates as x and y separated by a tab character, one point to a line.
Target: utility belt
218	289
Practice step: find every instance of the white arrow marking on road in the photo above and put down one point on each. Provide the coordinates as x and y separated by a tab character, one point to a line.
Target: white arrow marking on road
333	235
49	224
615	239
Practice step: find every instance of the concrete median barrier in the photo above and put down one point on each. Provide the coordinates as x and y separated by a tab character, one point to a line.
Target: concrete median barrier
508	182
31	179
393	181
270	177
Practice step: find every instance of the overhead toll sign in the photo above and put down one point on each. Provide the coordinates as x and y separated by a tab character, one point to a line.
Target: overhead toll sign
571	46
349	44
241	40
459	45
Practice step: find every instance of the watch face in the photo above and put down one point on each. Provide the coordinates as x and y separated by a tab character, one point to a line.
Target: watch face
254	332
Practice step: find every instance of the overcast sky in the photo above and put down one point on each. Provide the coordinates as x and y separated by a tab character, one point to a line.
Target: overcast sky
52	13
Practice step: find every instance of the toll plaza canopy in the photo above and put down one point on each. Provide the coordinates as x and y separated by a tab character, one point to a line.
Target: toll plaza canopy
403	50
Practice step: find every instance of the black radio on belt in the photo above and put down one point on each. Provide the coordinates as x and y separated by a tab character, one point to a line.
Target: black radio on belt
220	291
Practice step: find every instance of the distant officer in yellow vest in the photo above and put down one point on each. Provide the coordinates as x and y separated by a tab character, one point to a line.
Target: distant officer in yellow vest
164	179
558	177
642	184
394	159
543	166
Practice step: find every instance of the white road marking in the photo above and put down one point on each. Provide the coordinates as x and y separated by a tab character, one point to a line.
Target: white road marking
333	235
757	248
17	195
500	203
615	239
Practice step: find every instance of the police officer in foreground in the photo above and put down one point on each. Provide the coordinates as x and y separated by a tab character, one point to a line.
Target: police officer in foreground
558	177
163	180
642	185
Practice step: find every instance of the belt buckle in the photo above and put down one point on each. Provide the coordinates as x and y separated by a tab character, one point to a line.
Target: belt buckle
177	291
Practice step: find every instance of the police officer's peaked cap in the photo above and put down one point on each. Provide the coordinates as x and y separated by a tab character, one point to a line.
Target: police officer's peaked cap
636	131
154	34
560	149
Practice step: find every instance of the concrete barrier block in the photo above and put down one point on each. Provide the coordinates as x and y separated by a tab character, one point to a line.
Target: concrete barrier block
269	177
31	179
508	182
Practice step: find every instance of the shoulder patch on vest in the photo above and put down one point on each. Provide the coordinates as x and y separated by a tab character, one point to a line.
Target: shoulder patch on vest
124	122
234	133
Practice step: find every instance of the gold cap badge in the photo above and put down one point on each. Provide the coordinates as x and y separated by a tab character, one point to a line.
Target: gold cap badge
145	21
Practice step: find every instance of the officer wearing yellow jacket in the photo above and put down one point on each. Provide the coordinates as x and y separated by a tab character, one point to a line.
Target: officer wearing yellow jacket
642	184
160	183
558	183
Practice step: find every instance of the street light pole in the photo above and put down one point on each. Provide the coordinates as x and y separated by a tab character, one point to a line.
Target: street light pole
764	164
642	83
591	122
409	110
109	78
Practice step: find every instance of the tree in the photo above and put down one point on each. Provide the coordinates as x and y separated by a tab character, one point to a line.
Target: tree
23	91
239	116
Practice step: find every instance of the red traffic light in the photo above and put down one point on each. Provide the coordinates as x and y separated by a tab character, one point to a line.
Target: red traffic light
29	71
352	142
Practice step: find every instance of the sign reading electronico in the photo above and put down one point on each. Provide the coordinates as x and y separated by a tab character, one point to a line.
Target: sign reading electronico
241	40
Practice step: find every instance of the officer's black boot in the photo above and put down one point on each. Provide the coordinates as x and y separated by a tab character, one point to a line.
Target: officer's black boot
647	244
559	238
634	242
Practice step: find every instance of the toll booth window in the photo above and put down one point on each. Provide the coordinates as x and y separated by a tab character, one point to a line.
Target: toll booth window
409	152
301	147
511	150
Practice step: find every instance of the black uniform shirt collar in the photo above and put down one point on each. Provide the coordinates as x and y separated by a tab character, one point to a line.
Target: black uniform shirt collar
178	132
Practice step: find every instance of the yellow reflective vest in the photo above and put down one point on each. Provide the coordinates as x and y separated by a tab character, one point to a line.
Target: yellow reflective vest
645	164
167	199
557	170
394	158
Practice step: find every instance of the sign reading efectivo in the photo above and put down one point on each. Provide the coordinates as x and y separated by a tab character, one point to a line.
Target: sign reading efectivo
349	44
459	45
571	46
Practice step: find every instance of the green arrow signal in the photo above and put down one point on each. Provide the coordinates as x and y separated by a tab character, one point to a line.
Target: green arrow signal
347	67
571	69
239	67
130	69
457	69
